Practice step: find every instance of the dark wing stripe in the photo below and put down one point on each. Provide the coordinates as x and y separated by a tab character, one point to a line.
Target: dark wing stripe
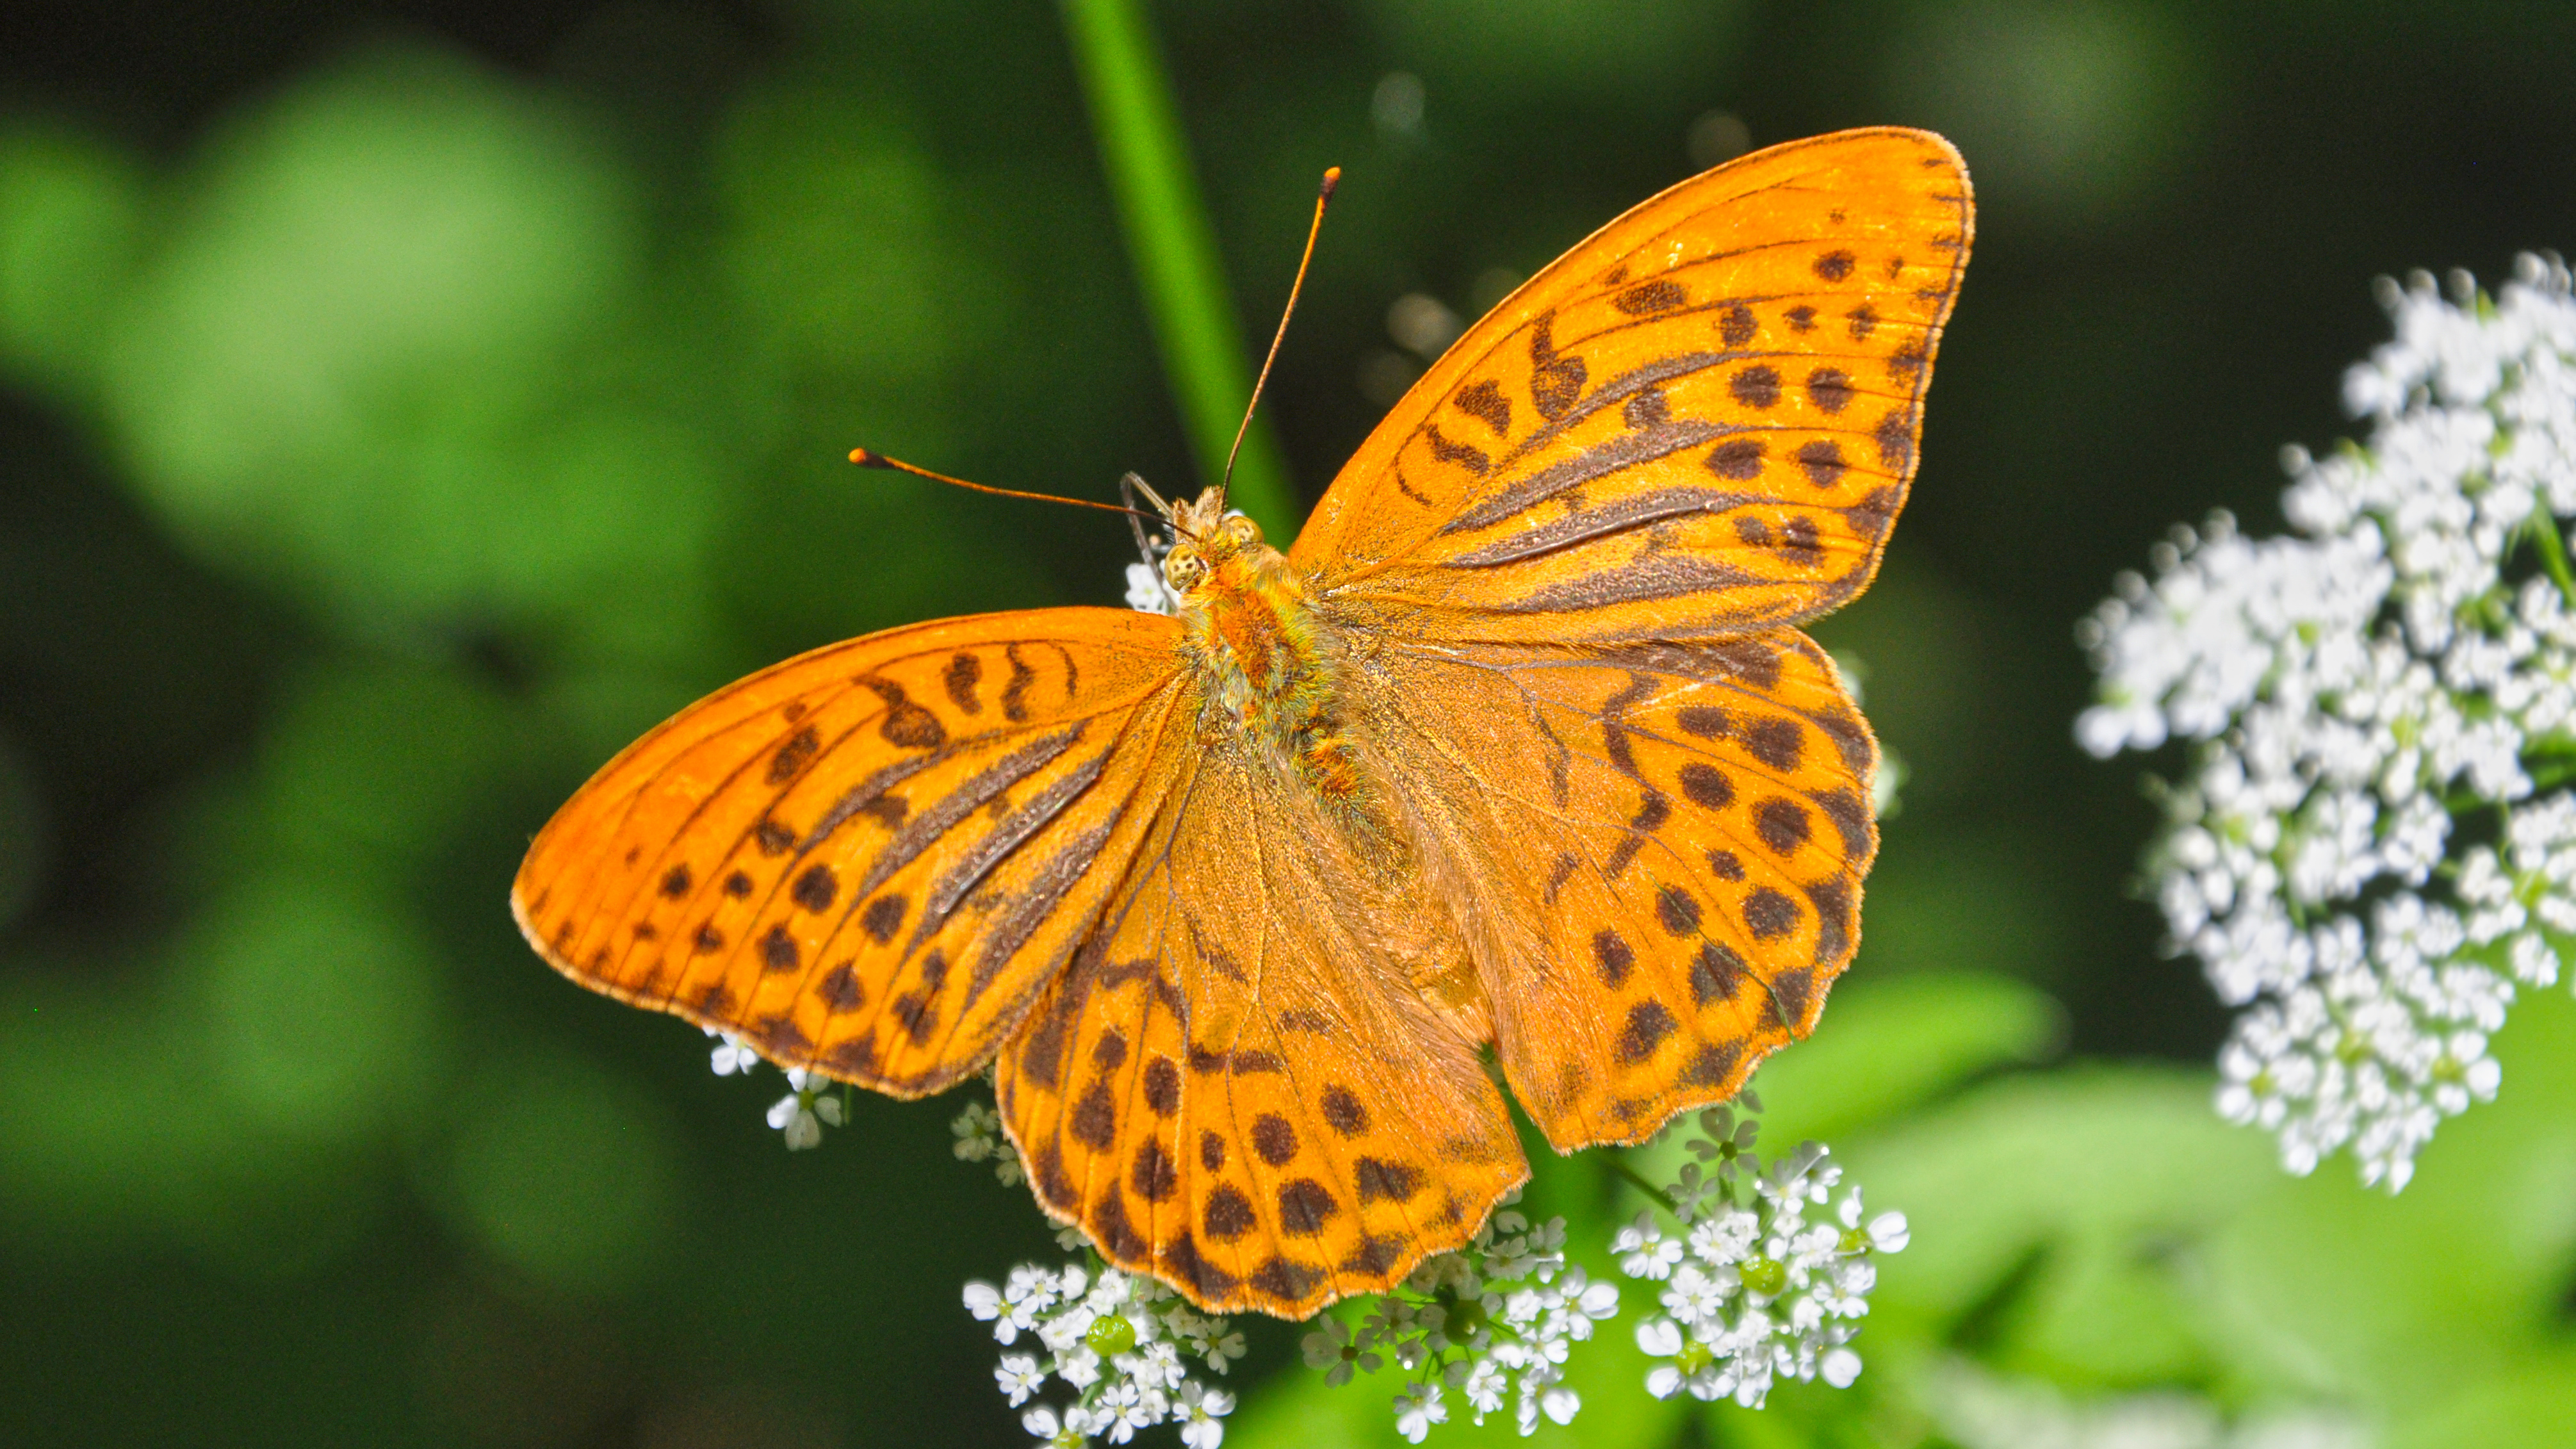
930	824
1009	835
1619	516
1011	927
1625	451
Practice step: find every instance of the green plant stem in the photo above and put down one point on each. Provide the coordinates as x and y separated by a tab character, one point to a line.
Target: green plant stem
1173	246
2553	551
1619	1166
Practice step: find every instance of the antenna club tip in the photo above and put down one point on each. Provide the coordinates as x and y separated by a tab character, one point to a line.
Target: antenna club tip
1332	178
866	459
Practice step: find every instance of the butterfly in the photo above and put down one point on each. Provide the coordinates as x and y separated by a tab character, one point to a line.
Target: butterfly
1514	772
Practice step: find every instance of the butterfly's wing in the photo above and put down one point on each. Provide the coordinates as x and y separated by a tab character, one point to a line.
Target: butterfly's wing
1577	545
1229	1090
1660	849
870	859
1701	420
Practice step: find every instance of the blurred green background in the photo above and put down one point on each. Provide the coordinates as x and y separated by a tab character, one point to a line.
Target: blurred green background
403	404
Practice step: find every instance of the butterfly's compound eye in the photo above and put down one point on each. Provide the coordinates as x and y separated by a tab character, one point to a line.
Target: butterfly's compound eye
1242	532
1183	568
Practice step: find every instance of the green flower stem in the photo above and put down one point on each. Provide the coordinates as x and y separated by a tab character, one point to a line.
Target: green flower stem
1619	1166
2553	551
1173	246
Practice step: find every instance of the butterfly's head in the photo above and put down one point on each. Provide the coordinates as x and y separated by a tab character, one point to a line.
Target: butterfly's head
1209	540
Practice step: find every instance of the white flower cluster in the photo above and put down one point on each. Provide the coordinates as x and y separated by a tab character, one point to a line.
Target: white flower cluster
1124	1344
2372	845
812	1101
1753	1291
1489	1322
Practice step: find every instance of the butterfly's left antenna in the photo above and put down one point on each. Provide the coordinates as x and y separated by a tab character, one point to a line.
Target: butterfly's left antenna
1323	197
870	458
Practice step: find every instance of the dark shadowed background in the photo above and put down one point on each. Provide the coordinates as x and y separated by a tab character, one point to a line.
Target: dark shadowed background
402	405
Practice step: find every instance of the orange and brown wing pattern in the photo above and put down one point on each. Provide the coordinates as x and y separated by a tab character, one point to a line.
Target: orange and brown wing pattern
872	858
1226	1091
1703	419
1663	844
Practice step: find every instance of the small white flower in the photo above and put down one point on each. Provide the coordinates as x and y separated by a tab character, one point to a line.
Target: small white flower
1417	1409
1020	1376
1200	1411
732	1055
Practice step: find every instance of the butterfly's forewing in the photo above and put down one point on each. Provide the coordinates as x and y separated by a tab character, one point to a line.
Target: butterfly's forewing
871	858
1662	844
1701	420
1229	1090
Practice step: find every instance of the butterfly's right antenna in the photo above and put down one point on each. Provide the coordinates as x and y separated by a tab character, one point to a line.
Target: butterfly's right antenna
1128	487
1323	196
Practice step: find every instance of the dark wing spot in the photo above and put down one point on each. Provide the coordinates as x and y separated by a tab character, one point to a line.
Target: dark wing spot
1871	516
1736	458
709	939
1052	1184
1377	1254
1211	1151
1647	298
675	882
1156	1176
1287	1281
964	672
1801	319
841	991
918	1017
1864	321
1711	1065
1769	915
1755	387
1304	1205
1555	382
1832	897
1094	1122
856	1057
1228	1214
1182	1258
1343	1112
815	888
1905	364
1162	1086
1775	741
1735	325
1485	401
1110	1052
1717	973
1648	1024
1895	439
1831	387
737	885
1612	956
1752	530
772	837
1790	992
1677	910
1835	265
1798	538
1117	1237
795	755
1466	456
907	725
1707	786
1706	721
1645	408
1782	824
1015	693
1387	1181
1823	460
1274	1139
1724	865
644	931
883	916
778	949
716	1000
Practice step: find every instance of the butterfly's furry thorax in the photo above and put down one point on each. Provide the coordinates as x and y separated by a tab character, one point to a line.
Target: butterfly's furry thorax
1270	662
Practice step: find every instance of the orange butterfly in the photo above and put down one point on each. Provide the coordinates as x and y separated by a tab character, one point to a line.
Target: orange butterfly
1519	750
